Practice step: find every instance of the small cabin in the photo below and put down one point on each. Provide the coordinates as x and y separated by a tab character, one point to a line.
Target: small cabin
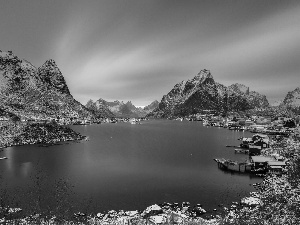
246	142
254	150
262	143
275	167
261	162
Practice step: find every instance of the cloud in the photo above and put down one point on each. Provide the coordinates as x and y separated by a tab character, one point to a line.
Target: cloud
140	51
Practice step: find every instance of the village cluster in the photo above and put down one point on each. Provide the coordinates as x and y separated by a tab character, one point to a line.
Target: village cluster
75	120
267	131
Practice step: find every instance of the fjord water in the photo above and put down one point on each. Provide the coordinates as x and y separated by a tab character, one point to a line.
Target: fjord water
125	166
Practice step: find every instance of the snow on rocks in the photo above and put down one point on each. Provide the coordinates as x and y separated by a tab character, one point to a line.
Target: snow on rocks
132	213
153	210
159	219
250	201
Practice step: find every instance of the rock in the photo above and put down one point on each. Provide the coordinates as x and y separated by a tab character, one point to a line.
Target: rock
132	213
153	210
157	219
250	201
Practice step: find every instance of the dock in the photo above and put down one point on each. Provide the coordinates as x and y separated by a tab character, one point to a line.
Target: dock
235	166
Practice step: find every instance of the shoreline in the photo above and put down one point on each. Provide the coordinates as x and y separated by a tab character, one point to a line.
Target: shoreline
45	134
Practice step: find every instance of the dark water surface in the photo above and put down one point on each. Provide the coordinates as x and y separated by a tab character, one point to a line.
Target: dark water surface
130	167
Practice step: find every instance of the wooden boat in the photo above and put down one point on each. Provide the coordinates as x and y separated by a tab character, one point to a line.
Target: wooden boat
244	151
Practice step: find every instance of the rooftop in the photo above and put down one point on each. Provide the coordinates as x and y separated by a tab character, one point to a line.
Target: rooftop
259	159
276	163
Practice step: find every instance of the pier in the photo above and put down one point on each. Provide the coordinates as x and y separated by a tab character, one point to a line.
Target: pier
235	166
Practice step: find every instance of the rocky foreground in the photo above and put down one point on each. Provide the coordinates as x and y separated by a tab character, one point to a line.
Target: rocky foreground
155	214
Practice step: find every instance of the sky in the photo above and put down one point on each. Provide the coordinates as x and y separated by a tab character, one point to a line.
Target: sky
137	50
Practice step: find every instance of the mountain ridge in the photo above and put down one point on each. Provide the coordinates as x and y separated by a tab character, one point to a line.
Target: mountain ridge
121	109
203	93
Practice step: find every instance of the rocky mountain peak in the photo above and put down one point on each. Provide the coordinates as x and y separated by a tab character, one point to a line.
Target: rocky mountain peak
101	100
203	93
50	62
16	75
50	75
130	105
99	108
203	76
152	106
297	90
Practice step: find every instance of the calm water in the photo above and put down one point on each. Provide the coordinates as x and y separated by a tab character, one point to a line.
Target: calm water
129	167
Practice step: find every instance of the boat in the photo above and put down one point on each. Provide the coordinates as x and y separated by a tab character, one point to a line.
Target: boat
3	158
245	151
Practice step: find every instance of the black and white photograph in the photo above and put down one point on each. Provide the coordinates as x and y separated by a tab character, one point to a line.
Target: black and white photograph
145	112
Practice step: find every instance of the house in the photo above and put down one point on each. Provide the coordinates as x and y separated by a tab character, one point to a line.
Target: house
249	122
262	120
256	143
256	128
260	136
246	142
261	140
254	149
261	162
263	143
275	167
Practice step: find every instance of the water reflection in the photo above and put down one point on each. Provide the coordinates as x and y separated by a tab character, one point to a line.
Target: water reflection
130	167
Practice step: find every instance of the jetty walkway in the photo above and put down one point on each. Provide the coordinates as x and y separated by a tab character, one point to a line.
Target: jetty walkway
228	164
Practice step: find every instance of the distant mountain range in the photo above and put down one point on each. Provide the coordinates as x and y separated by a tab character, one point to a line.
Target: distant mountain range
119	109
203	93
36	93
42	93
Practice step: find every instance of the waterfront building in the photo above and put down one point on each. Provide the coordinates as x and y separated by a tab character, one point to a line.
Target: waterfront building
246	142
254	149
256	128
275	167
261	162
